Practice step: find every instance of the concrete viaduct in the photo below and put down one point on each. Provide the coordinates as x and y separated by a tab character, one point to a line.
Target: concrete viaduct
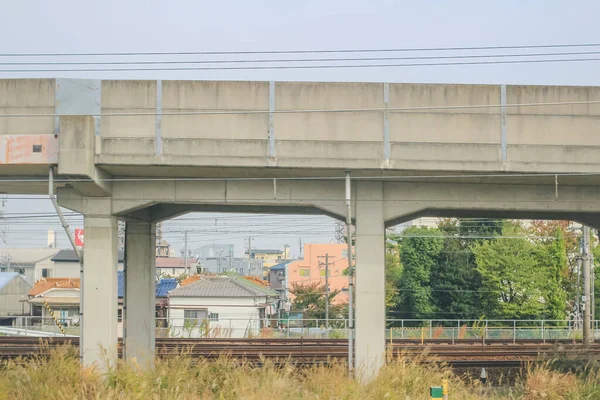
146	151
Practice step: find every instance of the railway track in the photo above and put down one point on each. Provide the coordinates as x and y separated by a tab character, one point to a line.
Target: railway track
466	353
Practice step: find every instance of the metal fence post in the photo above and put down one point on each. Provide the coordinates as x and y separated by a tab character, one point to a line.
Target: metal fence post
543	336
402	327
514	331
430	333
486	330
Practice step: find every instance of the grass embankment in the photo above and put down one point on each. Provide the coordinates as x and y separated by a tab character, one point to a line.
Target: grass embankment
180	377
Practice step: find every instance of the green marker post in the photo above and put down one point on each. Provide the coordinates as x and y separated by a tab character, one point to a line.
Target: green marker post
435	392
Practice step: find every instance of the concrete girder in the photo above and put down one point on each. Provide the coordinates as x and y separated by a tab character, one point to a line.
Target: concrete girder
159	200
71	199
164	211
76	160
406	201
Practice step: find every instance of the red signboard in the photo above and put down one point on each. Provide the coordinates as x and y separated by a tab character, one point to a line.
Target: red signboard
79	237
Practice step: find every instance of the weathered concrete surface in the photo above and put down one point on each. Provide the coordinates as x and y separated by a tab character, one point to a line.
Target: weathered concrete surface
99	292
370	280
140	294
321	128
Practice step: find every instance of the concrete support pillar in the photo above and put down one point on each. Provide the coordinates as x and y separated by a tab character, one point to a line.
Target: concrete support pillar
140	295
370	280
99	292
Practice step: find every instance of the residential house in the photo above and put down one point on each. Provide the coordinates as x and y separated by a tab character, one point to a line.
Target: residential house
25	261
241	266
162	288
224	306
13	294
61	295
312	268
176	266
270	257
278	283
64	264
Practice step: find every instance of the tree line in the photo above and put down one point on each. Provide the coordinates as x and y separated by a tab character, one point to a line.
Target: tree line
493	269
474	269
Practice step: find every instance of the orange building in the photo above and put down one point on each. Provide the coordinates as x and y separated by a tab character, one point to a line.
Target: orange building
312	268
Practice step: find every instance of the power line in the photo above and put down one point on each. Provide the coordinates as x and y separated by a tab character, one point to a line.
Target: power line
295	60
322	66
306	111
364	50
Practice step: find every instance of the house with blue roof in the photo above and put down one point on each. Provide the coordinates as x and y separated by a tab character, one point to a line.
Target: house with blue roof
162	287
13	294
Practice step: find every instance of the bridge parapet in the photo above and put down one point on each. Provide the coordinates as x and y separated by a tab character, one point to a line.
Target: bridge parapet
304	126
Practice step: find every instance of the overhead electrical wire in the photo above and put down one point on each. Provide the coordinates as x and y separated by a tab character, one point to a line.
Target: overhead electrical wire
294	60
306	111
322	51
322	66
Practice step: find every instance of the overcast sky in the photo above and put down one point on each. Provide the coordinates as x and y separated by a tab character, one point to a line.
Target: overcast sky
188	26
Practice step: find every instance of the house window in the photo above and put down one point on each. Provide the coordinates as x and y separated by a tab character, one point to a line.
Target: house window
323	272
194	316
3	269
46	273
213	316
304	272
345	253
120	315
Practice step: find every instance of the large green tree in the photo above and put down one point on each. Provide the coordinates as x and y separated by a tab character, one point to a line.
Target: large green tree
518	277
419	253
547	232
393	274
552	256
310	298
454	281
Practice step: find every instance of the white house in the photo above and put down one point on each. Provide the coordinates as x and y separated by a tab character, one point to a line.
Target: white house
176	266
13	293
64	264
222	306
25	261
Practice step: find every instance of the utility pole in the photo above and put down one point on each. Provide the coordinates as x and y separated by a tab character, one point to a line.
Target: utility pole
326	289
3	221
587	262
249	254
185	252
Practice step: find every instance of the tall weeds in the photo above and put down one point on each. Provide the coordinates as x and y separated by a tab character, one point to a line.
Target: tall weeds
180	377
